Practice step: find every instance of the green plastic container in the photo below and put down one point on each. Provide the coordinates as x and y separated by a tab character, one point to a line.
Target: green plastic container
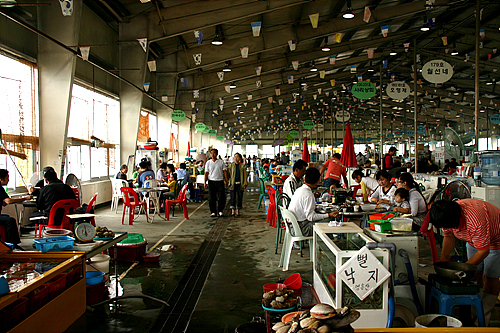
133	238
380	226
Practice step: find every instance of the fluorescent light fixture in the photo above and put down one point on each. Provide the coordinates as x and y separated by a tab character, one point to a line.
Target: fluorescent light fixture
393	53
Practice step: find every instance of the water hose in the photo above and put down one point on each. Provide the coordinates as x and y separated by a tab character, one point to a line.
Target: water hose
392	310
409	270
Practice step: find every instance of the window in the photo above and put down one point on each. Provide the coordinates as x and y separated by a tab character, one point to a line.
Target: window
94	128
19	125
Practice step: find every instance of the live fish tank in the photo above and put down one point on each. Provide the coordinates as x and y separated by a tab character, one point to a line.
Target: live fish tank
333	247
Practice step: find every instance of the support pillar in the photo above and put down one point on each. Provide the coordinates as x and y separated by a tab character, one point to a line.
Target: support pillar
131	56
56	71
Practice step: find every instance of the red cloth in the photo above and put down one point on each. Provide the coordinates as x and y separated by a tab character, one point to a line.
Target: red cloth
479	224
348	156
305	152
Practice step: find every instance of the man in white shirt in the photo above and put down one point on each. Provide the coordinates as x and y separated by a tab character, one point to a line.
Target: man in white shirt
295	180
303	203
215	179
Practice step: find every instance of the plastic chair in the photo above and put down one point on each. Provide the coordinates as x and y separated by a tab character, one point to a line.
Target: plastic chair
354	189
77	194
262	191
291	221
448	302
91	207
131	201
271	210
284	177
282	200
116	185
58	216
181	200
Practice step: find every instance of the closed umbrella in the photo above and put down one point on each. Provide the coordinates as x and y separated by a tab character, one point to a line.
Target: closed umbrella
189	148
305	152
348	157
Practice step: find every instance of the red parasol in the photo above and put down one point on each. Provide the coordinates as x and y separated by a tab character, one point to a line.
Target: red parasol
348	156
305	152
189	150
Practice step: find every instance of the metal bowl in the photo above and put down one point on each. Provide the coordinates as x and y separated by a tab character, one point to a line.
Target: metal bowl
455	271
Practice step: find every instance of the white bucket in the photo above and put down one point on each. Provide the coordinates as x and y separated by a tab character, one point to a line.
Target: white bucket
99	262
424	320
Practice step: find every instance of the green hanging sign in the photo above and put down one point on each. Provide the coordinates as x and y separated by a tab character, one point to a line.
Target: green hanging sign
308	124
364	90
220	137
199	127
294	133
289	137
178	115
495	119
410	132
212	132
390	136
421	129
206	129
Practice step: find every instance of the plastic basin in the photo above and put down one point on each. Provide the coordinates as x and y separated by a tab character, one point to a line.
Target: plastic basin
151	257
99	262
94	277
401	224
294	281
273	286
424	320
132	238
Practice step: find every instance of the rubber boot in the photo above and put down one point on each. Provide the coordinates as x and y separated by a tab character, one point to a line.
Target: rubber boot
489	302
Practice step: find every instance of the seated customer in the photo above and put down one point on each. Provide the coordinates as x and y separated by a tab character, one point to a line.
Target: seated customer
145	173
183	174
51	193
122	174
401	204
161	175
294	181
368	184
41	183
11	233
303	203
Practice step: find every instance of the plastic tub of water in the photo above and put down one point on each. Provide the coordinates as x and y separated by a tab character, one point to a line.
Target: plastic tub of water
99	262
490	167
424	320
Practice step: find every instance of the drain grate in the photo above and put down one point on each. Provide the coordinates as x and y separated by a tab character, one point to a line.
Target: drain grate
185	296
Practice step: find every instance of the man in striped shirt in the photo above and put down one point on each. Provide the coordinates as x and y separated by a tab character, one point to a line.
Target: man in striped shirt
478	223
295	180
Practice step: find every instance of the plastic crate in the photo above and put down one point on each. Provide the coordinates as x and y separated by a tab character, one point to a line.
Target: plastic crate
13	314
61	243
37	298
57	285
381	216
73	275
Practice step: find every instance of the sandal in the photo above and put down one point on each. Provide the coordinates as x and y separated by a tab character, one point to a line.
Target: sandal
238	212
232	212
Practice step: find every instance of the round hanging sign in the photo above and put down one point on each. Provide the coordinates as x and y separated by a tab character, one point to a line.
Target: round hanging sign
495	119
199	127
421	129
212	132
437	71
390	136
178	115
361	139
398	90
289	137
363	90
294	133
398	133
220	137
308	124
368	139
497	136
342	116
410	132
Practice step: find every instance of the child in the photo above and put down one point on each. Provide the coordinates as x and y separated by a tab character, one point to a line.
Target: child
327	196
401	204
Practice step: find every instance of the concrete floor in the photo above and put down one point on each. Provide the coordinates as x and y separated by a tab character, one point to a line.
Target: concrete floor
211	271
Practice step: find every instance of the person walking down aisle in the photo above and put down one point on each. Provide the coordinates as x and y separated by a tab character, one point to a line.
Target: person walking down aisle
334	170
11	233
237	183
215	180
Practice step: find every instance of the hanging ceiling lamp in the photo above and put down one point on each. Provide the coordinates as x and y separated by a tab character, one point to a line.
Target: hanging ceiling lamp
348	14
226	67
232	85
217	41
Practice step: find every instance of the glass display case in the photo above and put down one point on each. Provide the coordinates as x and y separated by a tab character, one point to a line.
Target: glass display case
333	247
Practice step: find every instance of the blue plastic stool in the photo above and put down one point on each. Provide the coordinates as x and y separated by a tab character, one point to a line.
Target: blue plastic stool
447	302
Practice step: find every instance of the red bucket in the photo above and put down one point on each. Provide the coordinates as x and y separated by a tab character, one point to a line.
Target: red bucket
273	286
